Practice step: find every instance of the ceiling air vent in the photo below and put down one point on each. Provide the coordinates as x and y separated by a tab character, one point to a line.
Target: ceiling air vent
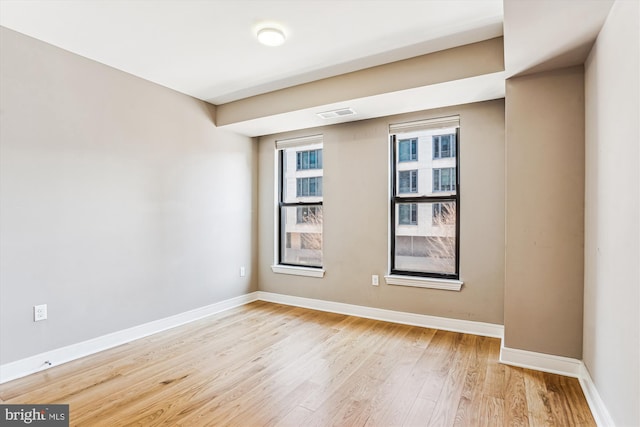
342	112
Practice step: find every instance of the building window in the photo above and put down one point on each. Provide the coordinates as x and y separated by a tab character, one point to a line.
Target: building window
407	213
444	179
444	146
309	187
309	159
300	202
443	214
307	214
431	248
408	181
408	150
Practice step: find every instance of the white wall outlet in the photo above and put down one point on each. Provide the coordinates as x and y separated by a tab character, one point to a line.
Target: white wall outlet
39	312
243	272
374	280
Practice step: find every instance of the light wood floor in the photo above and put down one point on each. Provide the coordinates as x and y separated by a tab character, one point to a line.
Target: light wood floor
266	364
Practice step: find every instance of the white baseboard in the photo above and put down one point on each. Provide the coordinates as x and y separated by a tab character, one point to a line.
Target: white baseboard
454	325
563	366
510	356
29	365
541	362
597	406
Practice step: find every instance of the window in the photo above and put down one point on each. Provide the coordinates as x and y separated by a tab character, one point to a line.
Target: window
309	159
408	214
300	202
309	187
430	248
408	150
307	214
408	181
443	214
444	146
444	179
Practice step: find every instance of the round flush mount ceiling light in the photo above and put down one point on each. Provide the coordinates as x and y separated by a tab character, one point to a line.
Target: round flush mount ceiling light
270	36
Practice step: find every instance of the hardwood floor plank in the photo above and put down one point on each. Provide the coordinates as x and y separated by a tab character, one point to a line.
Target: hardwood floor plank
390	405
449	399
469	408
540	412
494	385
516	411
267	364
492	412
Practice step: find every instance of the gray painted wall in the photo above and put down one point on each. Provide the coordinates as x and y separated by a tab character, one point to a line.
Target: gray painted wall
121	203
612	238
545	210
356	173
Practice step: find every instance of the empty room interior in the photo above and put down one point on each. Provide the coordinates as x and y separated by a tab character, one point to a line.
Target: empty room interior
286	213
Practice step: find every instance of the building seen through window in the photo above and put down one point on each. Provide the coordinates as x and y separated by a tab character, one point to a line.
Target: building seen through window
300	201
424	202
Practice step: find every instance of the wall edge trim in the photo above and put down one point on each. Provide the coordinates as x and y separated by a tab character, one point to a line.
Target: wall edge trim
32	364
423	320
515	357
540	361
562	366
596	404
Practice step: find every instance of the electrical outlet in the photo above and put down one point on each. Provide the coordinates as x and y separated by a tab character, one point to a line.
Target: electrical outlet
242	272
39	312
374	280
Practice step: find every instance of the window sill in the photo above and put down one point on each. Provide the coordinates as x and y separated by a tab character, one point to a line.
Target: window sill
424	282
298	271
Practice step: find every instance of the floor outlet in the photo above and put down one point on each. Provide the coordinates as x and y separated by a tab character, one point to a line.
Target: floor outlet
39	312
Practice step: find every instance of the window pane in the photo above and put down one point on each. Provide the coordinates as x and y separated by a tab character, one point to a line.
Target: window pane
445	146
309	159
407	213
407	150
403	151
302	228
430	247
444	179
408	181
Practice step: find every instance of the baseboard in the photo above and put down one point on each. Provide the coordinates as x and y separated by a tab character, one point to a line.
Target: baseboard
597	406
563	366
510	356
32	364
447	324
541	362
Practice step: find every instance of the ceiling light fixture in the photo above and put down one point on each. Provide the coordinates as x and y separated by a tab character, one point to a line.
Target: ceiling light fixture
270	36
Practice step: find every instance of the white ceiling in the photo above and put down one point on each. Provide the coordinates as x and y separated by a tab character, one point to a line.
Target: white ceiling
207	48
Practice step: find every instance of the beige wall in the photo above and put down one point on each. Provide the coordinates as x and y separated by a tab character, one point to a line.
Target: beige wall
121	203
356	163
544	219
612	238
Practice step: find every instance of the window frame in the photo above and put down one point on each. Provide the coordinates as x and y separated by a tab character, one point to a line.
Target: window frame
281	232
395	198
